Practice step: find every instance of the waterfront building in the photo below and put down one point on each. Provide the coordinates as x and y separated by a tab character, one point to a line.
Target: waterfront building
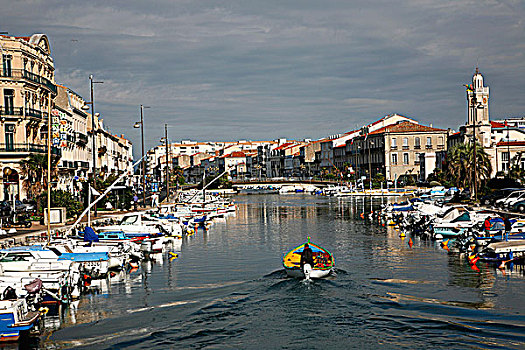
27	90
502	139
394	150
74	163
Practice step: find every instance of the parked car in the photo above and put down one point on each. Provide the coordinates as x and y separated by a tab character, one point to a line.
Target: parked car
6	207
503	202
490	198
518	206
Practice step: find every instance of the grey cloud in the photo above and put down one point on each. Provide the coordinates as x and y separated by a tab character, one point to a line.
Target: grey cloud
266	69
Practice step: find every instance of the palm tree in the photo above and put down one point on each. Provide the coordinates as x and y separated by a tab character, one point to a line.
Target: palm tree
34	169
516	171
461	166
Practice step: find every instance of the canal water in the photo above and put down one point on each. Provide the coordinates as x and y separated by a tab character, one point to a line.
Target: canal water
227	290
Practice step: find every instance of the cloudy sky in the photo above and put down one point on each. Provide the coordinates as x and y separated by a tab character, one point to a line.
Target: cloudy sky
232	69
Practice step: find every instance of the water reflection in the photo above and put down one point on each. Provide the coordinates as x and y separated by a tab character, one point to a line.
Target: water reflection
228	288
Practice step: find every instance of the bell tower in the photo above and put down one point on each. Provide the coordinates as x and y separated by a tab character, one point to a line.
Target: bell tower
478	109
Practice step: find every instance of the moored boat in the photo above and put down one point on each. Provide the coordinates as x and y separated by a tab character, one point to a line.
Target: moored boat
324	261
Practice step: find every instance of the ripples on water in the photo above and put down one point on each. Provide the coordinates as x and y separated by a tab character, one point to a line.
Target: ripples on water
228	290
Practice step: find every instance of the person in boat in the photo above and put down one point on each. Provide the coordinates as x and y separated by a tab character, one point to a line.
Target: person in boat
508	226
307	256
486	226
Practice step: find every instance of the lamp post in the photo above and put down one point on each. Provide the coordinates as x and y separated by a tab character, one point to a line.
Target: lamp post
141	126
508	148
93	134
165	139
370	143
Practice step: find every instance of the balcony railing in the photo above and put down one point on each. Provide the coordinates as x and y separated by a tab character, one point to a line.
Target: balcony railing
428	147
393	147
405	147
24	74
83	165
417	147
28	148
19	112
82	138
14	111
441	146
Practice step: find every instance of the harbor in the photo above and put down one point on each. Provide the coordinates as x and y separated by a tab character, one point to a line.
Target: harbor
228	288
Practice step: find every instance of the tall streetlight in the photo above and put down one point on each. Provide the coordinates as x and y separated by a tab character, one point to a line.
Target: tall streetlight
141	126
93	134
165	139
370	144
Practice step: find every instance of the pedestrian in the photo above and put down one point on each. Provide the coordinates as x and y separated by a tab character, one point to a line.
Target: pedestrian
135	201
108	205
508	226
154	200
487	225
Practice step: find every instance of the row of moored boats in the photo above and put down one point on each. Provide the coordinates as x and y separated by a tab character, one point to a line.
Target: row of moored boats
35	279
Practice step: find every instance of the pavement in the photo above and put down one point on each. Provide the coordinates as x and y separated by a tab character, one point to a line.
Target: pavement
38	232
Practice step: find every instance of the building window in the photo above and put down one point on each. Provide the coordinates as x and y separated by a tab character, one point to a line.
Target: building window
429	142
405	158
417	143
393	143
441	142
405	142
394	158
9	137
6	59
9	96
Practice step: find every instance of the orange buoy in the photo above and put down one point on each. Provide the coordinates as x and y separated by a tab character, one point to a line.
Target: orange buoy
410	243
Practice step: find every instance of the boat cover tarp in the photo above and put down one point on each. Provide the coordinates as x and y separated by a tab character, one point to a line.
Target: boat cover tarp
90	235
463	217
84	257
405	208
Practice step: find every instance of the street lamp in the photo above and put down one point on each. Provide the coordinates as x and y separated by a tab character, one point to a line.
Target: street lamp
165	139
370	144
85	107
141	126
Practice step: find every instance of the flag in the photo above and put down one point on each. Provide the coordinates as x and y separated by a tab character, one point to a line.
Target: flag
351	142
94	192
506	124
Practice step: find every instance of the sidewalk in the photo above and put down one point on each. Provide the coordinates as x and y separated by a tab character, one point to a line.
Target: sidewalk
38	232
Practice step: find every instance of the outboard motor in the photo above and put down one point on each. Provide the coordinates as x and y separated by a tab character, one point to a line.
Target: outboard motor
9	293
307	269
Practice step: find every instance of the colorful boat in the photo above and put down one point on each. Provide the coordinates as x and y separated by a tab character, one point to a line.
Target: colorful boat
16	319
323	259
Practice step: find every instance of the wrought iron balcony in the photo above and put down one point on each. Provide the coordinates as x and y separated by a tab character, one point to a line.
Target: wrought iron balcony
81	138
82	165
26	75
27	148
20	112
12	111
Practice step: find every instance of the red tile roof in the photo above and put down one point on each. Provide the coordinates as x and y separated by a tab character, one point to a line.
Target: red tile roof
284	145
497	124
234	155
340	146
511	143
405	126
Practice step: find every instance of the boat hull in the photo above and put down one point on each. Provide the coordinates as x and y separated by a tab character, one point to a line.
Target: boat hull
315	273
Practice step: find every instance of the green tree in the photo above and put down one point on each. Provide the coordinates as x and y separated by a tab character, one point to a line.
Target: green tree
460	169
34	171
516	171
59	199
